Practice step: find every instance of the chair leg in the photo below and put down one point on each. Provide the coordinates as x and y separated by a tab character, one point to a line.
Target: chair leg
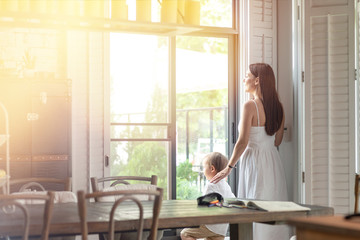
101	236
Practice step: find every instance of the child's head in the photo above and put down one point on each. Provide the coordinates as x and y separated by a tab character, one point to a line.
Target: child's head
213	163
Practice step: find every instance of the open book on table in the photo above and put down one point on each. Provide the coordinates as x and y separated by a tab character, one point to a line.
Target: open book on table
264	205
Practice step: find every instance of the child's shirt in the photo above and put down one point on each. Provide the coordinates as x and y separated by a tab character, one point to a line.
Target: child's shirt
224	189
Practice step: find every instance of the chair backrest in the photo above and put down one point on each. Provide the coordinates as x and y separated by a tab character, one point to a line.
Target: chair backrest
9	204
126	180
357	192
40	184
122	196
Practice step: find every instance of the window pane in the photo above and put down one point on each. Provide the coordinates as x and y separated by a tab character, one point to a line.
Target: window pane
139	78
155	132
202	108
139	94
216	13
140	159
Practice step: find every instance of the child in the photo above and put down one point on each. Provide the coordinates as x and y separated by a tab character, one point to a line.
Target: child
213	163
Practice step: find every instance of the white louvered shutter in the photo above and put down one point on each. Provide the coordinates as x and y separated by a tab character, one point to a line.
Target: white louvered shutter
329	103
262	32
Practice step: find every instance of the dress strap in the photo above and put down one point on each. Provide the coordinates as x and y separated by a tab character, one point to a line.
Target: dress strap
257	111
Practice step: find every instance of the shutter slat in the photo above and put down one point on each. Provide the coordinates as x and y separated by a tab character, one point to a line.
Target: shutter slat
262	32
328	3
329	54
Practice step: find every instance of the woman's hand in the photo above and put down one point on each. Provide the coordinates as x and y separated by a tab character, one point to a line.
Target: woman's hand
220	175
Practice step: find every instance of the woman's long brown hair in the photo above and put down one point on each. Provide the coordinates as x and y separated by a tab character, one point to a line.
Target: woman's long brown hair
270	99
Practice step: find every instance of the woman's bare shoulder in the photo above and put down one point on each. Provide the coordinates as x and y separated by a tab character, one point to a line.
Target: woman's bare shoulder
249	105
249	109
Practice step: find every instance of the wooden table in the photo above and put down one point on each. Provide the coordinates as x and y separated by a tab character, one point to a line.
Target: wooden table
326	227
174	214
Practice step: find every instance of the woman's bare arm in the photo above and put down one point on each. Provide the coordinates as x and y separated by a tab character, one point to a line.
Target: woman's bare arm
280	133
242	141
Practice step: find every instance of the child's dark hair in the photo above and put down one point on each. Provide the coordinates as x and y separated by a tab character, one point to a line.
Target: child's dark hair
218	160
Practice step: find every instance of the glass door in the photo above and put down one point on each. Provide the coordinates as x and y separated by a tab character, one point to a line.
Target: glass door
139	106
169	100
201	108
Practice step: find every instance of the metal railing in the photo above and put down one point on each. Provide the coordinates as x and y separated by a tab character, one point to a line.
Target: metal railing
187	125
130	117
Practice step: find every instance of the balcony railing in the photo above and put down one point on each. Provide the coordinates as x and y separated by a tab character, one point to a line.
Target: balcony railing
199	132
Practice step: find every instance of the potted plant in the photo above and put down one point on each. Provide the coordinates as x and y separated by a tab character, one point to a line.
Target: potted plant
29	64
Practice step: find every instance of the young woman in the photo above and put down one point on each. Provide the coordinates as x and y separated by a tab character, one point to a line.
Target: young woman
261	128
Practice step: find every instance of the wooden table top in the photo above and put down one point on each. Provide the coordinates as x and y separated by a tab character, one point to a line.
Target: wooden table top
174	214
330	224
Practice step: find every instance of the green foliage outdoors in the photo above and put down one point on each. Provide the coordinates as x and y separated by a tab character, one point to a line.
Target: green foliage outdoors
184	172
199	121
148	158
212	98
186	180
186	189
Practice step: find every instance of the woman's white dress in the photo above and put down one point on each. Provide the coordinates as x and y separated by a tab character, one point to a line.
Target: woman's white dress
262	177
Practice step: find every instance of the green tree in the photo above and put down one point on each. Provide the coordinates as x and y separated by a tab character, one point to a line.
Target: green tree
211	98
186	179
199	119
149	158
186	190
184	171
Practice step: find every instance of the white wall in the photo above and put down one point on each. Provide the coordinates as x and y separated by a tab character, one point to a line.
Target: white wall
286	92
77	70
85	68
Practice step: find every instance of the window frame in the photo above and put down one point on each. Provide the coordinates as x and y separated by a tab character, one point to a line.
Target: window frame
232	34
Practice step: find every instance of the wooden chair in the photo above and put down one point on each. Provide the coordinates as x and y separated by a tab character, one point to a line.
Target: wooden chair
121	197
127	180
9	204
40	184
357	192
124	181
23	185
